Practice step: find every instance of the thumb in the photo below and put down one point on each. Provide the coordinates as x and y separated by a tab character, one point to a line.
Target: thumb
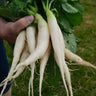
22	23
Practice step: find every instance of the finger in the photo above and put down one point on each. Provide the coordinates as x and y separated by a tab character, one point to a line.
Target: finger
22	23
2	21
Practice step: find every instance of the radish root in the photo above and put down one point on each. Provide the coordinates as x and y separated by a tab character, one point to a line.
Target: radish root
73	57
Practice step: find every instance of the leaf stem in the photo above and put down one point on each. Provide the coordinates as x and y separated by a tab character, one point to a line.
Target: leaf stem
30	12
50	4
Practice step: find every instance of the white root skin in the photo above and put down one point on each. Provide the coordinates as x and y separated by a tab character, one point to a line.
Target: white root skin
73	57
62	76
68	78
43	63
57	47
31	79
24	55
19	46
63	49
31	39
42	43
67	73
17	52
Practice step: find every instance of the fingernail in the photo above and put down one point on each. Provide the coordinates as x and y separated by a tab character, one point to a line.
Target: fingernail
30	19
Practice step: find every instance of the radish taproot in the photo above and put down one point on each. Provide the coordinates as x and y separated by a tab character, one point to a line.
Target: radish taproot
55	38
31	39
73	57
43	63
24	56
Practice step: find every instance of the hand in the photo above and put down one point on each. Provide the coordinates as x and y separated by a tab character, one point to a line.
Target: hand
10	30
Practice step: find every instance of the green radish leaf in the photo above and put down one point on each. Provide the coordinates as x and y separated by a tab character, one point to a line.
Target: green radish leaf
75	19
70	42
63	1
14	11
29	1
65	24
18	5
79	7
10	14
5	13
69	8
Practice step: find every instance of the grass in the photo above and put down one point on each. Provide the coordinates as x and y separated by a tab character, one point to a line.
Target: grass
83	79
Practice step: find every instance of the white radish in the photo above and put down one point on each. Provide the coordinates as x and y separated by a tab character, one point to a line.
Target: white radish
57	47
42	42
73	57
56	58
31	79
19	45
30	34
62	48
31	38
43	63
64	65
24	55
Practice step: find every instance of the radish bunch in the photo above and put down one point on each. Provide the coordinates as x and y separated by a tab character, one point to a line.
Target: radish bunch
37	42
